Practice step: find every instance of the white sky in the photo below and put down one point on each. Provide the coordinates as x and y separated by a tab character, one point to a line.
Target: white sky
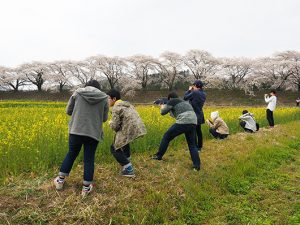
48	30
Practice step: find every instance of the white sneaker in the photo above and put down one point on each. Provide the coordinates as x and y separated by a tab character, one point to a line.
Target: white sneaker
59	185
86	190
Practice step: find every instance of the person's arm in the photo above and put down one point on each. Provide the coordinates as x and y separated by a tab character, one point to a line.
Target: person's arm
267	99
70	106
208	122
217	123
165	109
115	122
245	116
188	95
105	113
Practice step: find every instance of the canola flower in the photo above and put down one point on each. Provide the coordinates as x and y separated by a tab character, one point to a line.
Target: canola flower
34	135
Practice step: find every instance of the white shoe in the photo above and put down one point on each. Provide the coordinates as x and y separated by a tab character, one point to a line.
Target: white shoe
86	190
59	185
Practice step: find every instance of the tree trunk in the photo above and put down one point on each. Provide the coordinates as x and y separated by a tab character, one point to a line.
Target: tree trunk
39	86
61	86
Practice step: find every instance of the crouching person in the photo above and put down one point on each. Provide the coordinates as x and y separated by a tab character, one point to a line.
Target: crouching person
128	126
248	123
186	121
217	127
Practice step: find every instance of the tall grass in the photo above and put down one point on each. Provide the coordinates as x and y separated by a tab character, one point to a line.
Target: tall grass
34	135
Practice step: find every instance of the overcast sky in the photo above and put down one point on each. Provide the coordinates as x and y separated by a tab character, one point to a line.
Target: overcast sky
48	30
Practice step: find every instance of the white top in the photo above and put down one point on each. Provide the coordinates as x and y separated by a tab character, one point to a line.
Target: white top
250	122
271	102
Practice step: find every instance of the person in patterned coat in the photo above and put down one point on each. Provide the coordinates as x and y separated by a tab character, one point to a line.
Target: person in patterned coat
128	126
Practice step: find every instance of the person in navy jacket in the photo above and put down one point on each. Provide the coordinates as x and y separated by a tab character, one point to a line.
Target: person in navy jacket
196	96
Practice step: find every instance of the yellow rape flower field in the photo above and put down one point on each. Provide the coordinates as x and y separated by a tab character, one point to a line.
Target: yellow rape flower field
34	135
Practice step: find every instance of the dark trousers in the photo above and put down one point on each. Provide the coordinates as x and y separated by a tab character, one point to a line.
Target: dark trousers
243	124
75	144
122	155
270	117
199	140
175	130
216	134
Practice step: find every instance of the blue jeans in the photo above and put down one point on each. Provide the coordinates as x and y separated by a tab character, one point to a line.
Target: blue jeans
122	155
190	134
75	144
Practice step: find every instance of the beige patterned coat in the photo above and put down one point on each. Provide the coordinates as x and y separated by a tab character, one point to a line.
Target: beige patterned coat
127	124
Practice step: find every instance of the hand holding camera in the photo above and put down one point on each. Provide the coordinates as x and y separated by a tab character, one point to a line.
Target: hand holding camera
191	88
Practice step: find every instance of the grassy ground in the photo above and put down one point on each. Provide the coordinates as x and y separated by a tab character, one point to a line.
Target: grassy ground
247	179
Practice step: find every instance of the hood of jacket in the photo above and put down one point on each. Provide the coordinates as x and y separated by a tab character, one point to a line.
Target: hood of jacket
91	95
121	103
214	115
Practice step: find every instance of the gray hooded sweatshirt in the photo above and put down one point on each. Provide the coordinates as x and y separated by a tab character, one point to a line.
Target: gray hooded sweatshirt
88	108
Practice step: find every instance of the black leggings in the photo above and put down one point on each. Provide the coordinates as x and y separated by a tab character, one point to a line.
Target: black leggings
270	117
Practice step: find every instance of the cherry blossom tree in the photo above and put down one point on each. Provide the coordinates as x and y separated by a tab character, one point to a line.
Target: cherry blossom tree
201	64
169	66
59	74
293	59
113	68
141	67
35	73
236	70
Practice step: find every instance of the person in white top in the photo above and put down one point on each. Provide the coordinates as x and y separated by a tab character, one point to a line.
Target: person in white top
271	99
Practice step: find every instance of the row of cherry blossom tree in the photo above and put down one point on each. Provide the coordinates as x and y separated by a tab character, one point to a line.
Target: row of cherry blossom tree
280	71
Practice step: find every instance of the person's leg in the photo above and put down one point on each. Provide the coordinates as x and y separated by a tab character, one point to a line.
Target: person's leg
90	146
172	132
75	143
199	140
119	156
123	157
269	112
271	119
213	132
126	150
223	136
190	138
243	125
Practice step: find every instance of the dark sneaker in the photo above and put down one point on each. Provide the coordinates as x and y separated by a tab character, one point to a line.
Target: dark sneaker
128	172
155	157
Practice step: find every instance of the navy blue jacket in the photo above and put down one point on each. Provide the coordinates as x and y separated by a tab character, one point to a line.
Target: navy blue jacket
197	100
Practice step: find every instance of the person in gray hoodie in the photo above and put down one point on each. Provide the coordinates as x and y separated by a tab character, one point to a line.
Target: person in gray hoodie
88	108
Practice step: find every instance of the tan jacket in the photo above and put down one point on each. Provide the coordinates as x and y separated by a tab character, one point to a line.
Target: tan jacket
127	124
220	126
